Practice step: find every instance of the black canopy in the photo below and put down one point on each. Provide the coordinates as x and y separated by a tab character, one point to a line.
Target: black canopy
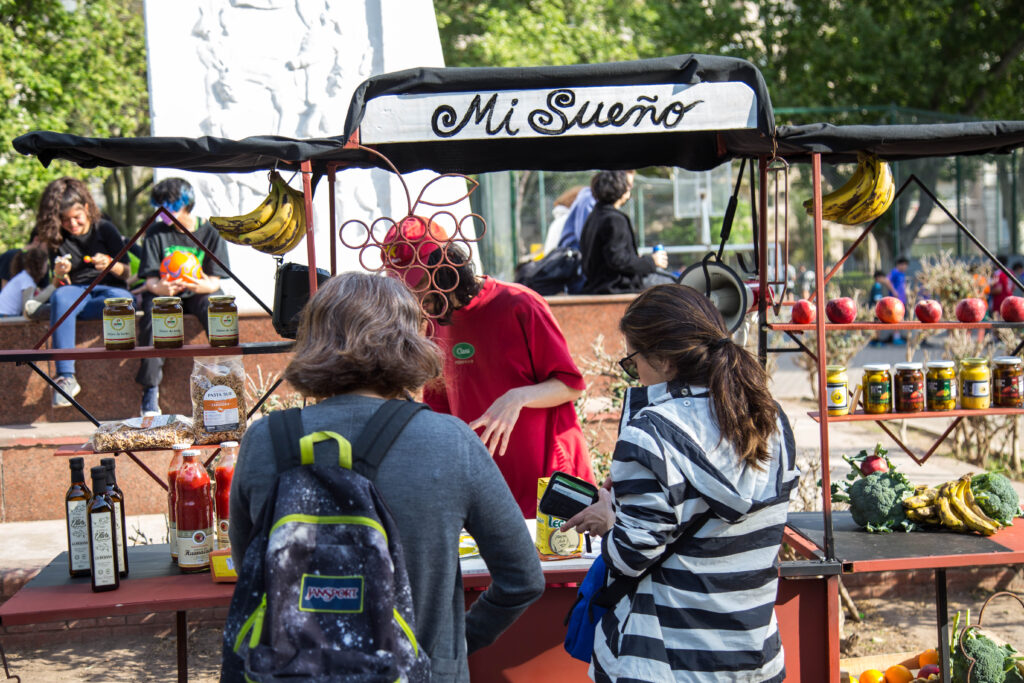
690	111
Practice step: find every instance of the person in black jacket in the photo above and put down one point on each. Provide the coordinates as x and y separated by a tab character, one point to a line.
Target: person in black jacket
611	263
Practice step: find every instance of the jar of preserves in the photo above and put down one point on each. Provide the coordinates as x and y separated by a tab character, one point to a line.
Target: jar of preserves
168	323
940	386
877	385
975	384
1008	382
118	324
908	389
222	317
837	388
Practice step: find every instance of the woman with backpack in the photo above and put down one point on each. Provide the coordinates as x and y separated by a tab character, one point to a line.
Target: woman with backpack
705	457
358	345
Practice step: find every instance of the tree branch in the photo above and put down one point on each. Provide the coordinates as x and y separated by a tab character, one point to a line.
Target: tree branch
996	71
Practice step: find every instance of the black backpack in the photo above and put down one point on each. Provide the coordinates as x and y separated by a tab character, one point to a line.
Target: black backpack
553	274
323	593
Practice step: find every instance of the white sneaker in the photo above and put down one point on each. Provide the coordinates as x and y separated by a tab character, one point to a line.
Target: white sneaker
70	385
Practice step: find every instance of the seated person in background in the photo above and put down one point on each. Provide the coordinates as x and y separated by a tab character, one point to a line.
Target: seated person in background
1003	286
358	344
31	267
68	223
611	262
161	240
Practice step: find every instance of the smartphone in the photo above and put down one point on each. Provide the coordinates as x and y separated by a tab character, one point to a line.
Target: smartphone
566	495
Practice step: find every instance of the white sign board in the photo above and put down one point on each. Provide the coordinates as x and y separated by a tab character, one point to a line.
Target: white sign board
558	112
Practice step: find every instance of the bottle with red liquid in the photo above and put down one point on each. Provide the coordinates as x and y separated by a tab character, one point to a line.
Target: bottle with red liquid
172	475
223	473
193	507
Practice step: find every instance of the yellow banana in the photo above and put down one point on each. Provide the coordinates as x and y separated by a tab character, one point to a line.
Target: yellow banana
964	512
864	198
967	497
275	227
292	235
837	197
878	199
922	499
255	219
949	520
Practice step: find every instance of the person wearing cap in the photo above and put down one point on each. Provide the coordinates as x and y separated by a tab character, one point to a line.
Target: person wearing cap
507	368
162	240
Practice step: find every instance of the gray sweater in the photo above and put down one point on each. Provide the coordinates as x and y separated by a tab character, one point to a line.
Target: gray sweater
437	479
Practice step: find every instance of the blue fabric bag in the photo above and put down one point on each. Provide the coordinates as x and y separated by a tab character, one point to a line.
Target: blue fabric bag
585	615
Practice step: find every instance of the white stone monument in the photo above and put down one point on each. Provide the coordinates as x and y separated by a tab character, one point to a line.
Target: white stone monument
237	68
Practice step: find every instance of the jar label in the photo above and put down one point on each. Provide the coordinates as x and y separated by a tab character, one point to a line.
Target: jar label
194	547
168	327
223	326
172	538
838	396
976	388
78	532
911	395
220	409
1008	390
940	390
104	566
118	328
878	393
223	539
122	561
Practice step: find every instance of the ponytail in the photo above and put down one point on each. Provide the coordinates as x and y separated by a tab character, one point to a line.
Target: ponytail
678	325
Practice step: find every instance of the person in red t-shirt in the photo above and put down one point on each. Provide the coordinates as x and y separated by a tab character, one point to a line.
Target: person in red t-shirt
507	367
1003	286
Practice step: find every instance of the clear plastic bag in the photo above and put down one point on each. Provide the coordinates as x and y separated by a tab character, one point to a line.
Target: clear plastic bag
140	433
219	409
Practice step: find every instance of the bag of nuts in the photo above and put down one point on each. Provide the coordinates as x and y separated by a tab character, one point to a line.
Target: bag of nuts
219	410
138	433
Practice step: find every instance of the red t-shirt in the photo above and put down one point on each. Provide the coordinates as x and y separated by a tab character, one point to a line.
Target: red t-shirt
1007	287
506	337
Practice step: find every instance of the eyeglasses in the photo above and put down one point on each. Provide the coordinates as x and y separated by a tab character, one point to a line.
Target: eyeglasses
628	365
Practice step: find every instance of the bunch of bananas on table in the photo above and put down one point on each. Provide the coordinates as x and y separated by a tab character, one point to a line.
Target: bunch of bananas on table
864	197
951	505
275	227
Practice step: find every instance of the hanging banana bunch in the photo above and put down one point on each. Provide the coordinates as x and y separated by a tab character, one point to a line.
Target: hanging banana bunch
275	227
862	198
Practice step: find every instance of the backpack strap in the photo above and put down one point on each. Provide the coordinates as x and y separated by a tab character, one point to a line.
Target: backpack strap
380	433
621	586
285	433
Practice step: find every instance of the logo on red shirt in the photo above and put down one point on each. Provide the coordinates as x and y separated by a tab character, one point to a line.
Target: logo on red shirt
463	351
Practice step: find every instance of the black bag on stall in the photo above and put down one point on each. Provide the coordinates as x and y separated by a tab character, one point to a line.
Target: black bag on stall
291	292
554	273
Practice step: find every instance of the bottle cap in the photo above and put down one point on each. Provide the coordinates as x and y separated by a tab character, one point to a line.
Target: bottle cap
99	475
658	247
77	463
229	444
876	367
908	366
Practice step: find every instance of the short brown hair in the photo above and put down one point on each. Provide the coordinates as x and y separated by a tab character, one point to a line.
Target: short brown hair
362	332
678	324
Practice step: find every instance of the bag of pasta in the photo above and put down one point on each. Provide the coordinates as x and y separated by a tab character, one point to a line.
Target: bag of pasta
140	433
219	409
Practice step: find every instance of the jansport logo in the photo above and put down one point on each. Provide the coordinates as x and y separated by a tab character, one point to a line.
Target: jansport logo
331	593
463	351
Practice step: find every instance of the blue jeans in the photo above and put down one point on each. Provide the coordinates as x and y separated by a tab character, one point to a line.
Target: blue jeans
91	308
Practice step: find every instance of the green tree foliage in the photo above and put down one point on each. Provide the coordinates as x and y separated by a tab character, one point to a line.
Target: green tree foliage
75	67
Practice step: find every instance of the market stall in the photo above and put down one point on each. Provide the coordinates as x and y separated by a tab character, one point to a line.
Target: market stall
691	111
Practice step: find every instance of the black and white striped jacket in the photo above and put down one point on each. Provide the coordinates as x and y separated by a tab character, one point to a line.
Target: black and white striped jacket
707	613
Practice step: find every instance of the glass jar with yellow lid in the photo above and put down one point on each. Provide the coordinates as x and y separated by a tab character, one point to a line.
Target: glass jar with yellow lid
1008	382
222	316
837	386
975	384
168	323
118	324
940	385
877	387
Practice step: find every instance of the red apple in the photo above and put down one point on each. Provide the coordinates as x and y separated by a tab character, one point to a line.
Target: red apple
928	311
929	669
804	312
971	310
841	311
873	463
889	309
1012	309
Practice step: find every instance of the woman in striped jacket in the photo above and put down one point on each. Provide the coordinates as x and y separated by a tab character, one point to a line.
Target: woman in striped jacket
704	453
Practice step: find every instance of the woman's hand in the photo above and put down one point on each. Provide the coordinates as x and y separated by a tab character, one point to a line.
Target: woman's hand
598	519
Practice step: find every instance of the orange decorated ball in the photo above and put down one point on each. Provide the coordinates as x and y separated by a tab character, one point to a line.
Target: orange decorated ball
181	265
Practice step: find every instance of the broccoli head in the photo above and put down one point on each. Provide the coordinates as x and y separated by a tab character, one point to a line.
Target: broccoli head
876	502
988	659
996	496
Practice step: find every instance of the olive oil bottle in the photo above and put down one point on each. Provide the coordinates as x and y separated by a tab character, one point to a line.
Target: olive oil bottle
76	507
102	535
117	499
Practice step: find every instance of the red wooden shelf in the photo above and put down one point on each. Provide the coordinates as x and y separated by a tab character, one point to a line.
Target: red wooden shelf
935	327
861	416
100	353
